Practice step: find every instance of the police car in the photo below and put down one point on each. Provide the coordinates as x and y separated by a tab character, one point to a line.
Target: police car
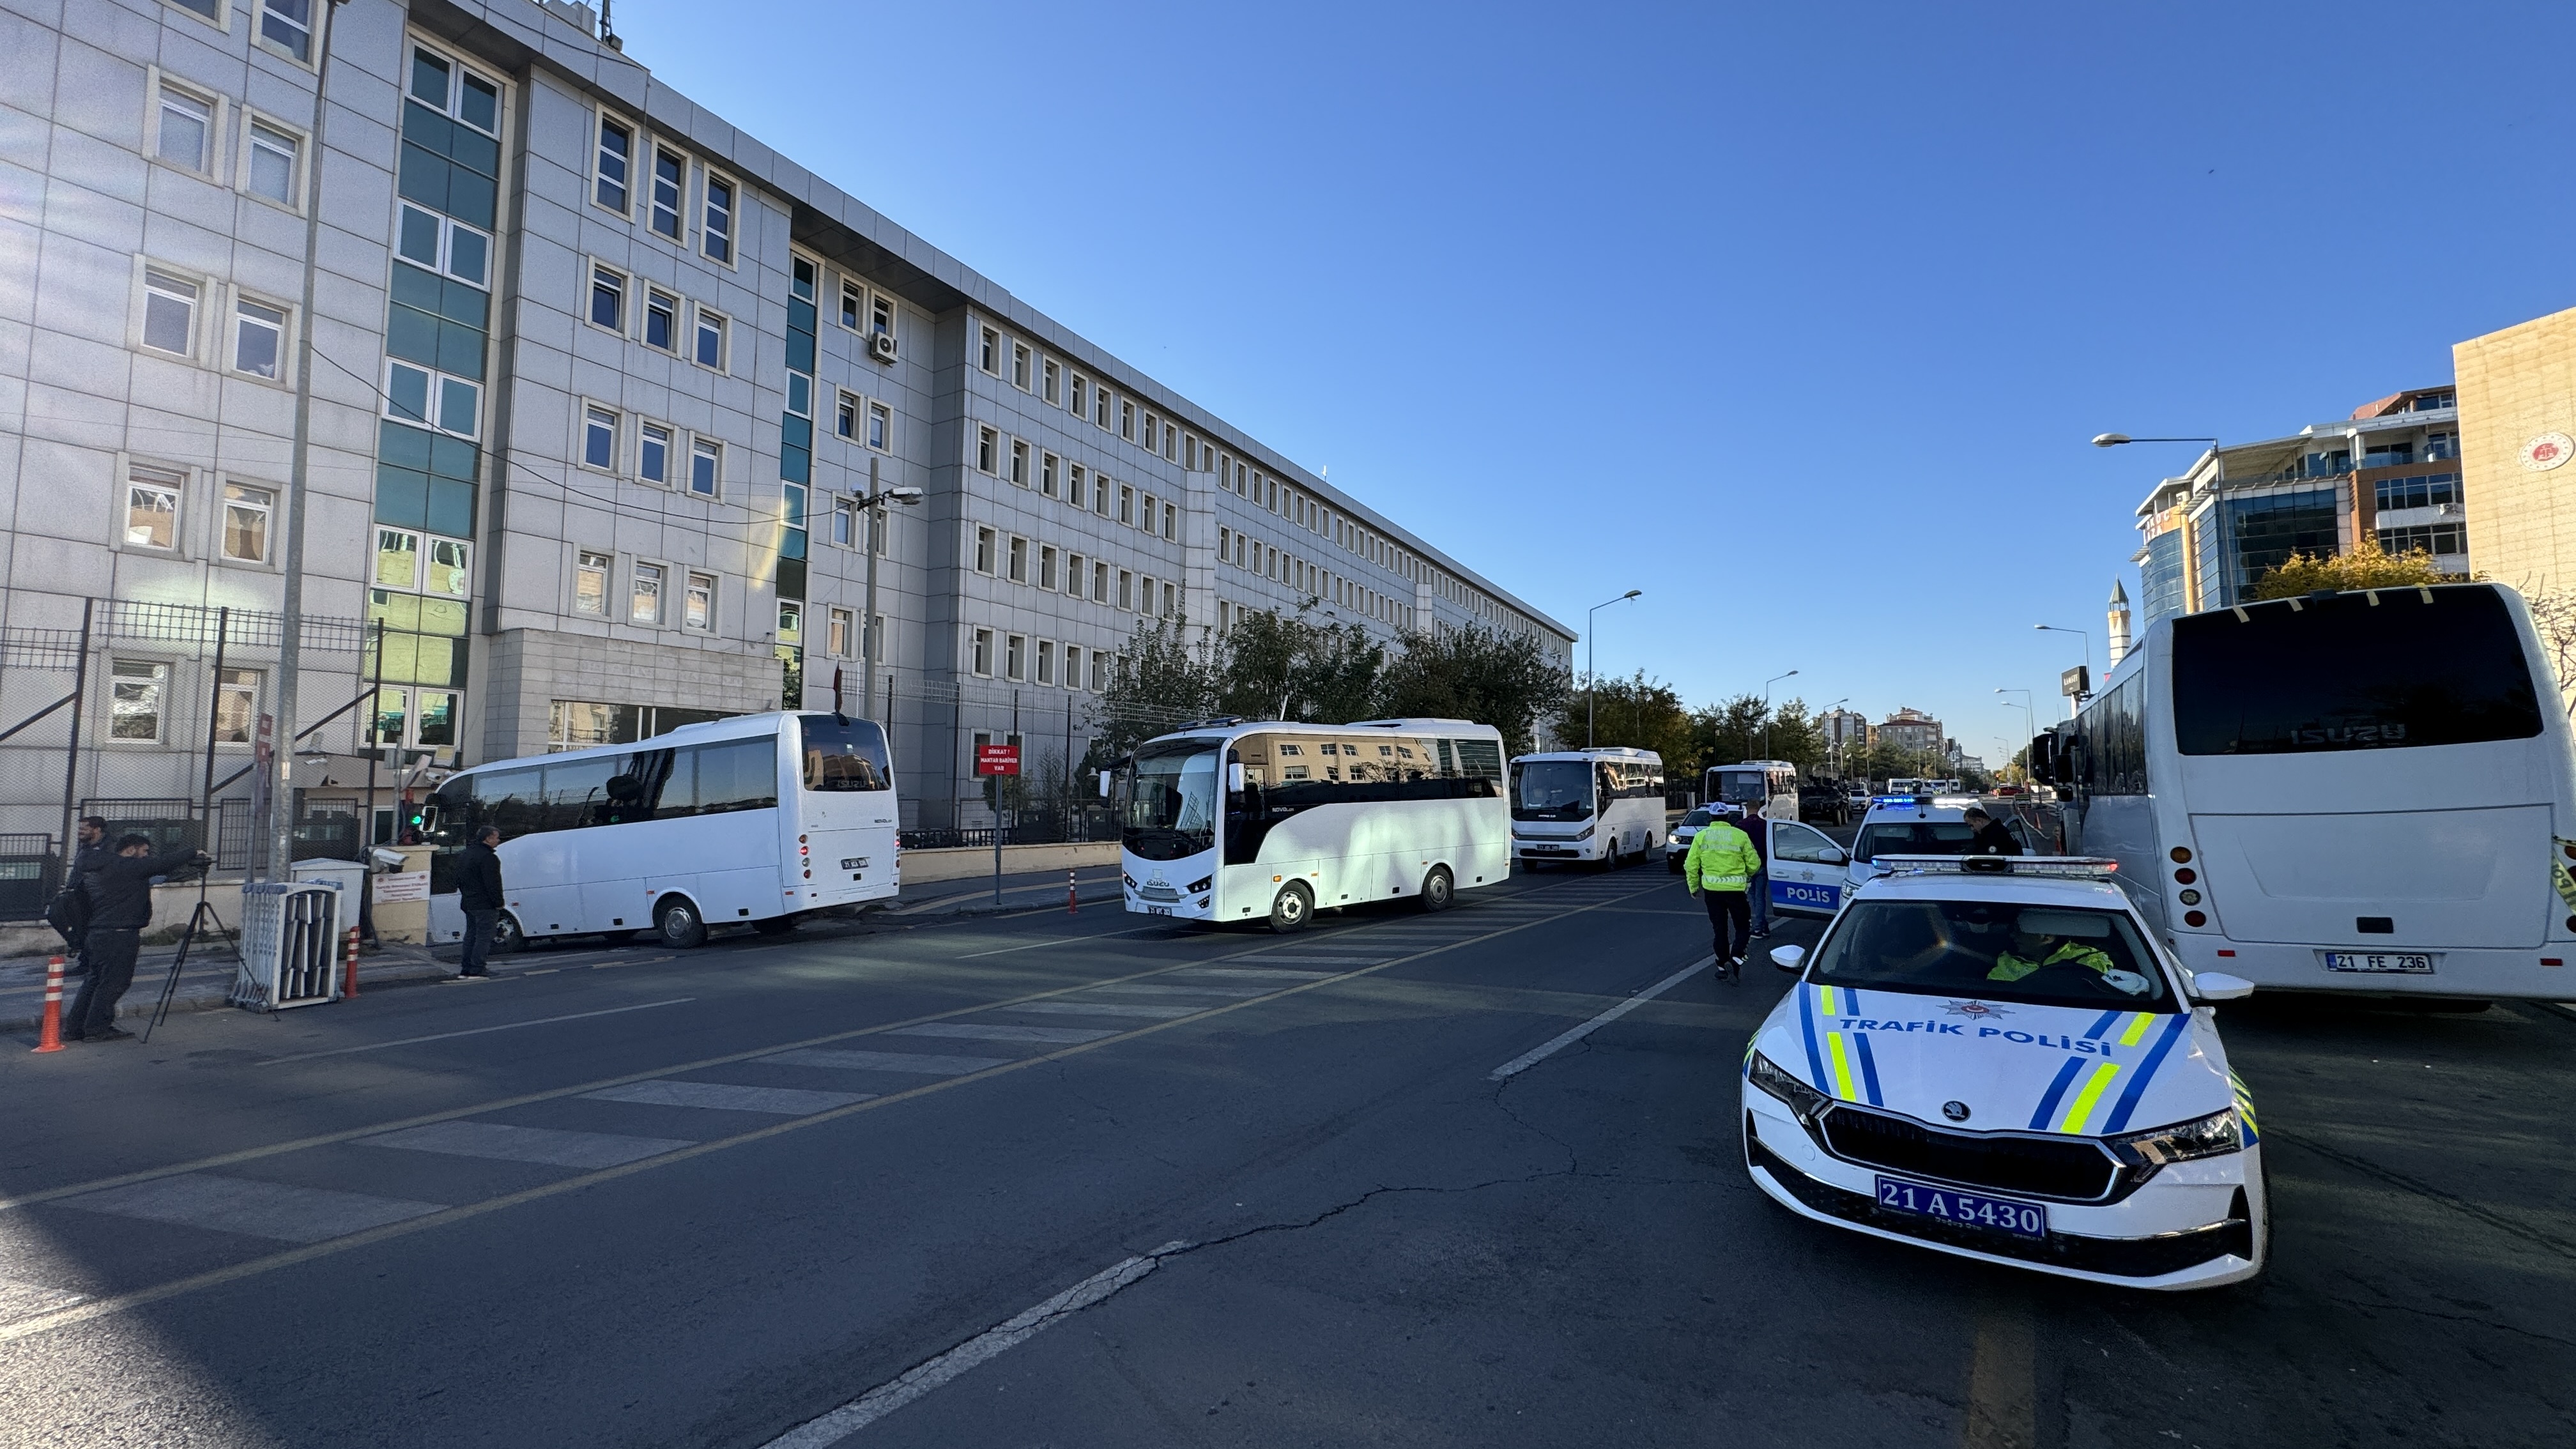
1990	1057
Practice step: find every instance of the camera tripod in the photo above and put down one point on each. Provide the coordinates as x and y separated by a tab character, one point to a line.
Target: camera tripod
197	920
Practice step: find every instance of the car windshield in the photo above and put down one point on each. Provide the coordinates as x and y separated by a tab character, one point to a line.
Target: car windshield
1551	790
1913	837
1171	802
2037	955
1695	819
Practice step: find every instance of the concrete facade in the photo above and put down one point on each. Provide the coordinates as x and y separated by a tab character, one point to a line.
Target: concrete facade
2517	393
595	376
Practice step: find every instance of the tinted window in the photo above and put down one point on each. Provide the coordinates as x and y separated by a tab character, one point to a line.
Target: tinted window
576	791
511	799
736	775
1917	837
844	754
2042	955
1479	759
2345	674
1413	771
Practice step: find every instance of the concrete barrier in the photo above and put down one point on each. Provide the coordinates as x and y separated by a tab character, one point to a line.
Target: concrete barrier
927	867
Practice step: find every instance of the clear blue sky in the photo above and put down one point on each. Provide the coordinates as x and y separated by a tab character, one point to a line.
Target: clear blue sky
1796	317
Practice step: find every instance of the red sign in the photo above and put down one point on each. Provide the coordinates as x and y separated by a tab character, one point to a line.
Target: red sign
997	759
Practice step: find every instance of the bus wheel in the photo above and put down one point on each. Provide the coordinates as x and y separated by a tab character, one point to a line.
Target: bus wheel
1439	892
1292	909
679	922
1612	860
507	938
776	925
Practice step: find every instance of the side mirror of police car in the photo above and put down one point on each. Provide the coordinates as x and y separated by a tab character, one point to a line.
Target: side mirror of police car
2219	986
1788	958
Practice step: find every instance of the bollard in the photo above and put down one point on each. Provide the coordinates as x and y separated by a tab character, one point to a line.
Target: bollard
50	1037
350	990
1072	902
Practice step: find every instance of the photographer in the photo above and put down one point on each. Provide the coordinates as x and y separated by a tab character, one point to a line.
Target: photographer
120	900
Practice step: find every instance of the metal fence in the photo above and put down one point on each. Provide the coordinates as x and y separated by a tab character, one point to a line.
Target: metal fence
1048	828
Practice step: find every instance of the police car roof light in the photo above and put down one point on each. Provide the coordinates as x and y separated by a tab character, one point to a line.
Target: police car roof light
2076	867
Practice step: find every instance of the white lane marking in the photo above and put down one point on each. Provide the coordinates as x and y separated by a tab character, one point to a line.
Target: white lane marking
377	1046
1144	988
1322	960
885	1398
1256	973
505	1143
928	1064
1059	941
26	1300
1106	1008
980	1031
1569	1037
250	1207
726	1097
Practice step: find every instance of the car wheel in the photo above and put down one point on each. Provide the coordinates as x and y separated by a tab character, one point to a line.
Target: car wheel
507	938
1292	908
777	925
1439	892
1672	863
680	924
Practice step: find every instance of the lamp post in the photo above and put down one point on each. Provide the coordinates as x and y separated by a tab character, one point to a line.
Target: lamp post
2086	636
1592	662
874	506
1766	711
1834	746
2029	716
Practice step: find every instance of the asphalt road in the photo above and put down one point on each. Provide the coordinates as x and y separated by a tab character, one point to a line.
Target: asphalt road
1051	1180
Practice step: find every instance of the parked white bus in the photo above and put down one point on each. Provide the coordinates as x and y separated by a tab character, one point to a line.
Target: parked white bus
2364	791
1587	805
752	820
1233	821
1771	784
1923	787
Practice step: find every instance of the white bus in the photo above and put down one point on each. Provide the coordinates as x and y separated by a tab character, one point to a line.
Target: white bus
1771	784
1923	787
2363	791
1587	805
1234	821
752	820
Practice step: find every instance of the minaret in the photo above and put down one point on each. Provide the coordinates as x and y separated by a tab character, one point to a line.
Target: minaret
2118	634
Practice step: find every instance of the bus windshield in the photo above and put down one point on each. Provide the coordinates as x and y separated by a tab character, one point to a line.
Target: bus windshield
1171	801
1744	787
2353	672
1551	790
842	754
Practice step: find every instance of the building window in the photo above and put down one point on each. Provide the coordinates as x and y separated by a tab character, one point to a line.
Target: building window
717	238
1126	589
1146	517
1073	574
1126	504
989	355
1049	381
698	604
1020	366
836	633
272	163
288	25
1019	462
1145	595
1100	582
152	507
444	245
237	705
853	302
453	90
1047	469
169	313
1127	420
881	315
644	594
880	425
984	652
845	417
590	584
1046	569
599	439
1101	664
1015	656
653	454
1073	666
259	337
1100	494
983	550
187	129
1171	600
711	340
616	145
800	395
1019	556
706	466
1081	396
661	320
1046	661
134	712
1151	422
246	515
670	179
432	399
397	559
988	444
1171	521
1073	485
608	299
844	521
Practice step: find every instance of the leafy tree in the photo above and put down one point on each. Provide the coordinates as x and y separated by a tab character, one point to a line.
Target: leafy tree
1286	666
2366	567
1474	673
1731	730
1637	713
1161	680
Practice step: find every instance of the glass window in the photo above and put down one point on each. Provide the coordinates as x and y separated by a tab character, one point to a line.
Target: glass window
460	405
1019	561
246	515
836	632
437	713
447	573
599	438
989	358
1014	649
616	144
644	597
259	333
1047	470
800	395
1019	462
699	603
791	622
1020	366
272	163
670	175
169	312
152	508
590	584
988	445
706	466
852	296
1046	568
845	416
880	425
288	25
397	559
735	775
1046	661
608	299
2035	955
662	321
984	651
843	755
881	315
801	273
653	453
134	711
1050	381
236	706
718	235
186	125
711	340
417	237
393	713
983	550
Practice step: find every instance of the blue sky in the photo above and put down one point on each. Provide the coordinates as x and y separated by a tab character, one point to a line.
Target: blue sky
1796	317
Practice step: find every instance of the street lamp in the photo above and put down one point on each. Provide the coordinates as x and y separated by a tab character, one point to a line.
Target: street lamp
1766	711
2086	636
1592	662
873	506
2029	716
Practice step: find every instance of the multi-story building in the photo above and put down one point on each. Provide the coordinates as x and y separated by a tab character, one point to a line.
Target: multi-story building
1908	729
2518	430
596	381
2391	473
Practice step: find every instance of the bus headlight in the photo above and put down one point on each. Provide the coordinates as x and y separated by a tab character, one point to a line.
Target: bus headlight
1585	833
1200	886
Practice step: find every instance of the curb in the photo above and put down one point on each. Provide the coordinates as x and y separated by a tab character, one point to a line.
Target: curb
211	995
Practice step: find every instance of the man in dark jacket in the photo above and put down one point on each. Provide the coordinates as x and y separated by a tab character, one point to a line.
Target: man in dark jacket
479	894
93	851
1991	837
1758	829
120	900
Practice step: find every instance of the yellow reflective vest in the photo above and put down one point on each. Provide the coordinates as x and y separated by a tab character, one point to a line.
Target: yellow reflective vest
2009	967
1721	858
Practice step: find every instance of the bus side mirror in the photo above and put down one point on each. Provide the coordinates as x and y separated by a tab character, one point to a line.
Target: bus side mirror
1234	778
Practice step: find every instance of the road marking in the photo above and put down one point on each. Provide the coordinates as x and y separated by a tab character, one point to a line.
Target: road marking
726	1097
25	1300
928	1064
377	1046
1147	988
252	1208
1057	941
1108	1008
1256	973
981	1031
505	1143
1570	1036
885	1398
1323	960
2002	1410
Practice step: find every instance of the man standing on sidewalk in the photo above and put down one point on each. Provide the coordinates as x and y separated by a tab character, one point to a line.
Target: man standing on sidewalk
90	838
479	895
120	897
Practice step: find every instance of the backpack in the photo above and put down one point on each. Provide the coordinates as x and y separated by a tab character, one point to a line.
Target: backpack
69	912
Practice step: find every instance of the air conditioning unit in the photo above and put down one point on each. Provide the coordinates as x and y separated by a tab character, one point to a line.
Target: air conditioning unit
881	346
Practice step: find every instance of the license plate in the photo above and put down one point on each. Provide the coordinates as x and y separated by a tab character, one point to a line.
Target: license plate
1158	910
2021	1219
854	862
2384	962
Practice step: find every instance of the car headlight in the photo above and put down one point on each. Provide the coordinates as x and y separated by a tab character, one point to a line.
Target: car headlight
1803	1101
2215	1135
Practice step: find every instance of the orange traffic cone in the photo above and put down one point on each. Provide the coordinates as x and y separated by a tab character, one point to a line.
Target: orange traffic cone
350	990
50	1037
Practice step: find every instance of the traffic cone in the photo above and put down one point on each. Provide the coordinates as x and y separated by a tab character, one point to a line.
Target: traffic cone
350	990
1072	902
50	1037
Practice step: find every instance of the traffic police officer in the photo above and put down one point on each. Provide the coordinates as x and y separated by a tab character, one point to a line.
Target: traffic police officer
1718	868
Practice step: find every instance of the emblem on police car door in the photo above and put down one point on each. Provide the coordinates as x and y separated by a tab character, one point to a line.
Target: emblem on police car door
1955	1111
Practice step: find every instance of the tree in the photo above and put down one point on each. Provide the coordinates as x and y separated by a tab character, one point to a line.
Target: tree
1286	666
2553	615
1474	673
2366	567
1637	713
1730	731
1161	680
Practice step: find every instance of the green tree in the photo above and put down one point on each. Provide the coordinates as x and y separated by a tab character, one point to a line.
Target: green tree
2366	567
1474	673
1287	666
1637	713
1161	680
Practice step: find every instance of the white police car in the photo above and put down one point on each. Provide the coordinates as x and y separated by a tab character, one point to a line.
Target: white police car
1991	1058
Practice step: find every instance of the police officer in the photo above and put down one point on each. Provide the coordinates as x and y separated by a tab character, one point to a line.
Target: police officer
1991	837
2012	966
1718	869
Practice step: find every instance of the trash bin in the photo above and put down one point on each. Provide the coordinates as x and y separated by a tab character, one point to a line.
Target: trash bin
349	877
